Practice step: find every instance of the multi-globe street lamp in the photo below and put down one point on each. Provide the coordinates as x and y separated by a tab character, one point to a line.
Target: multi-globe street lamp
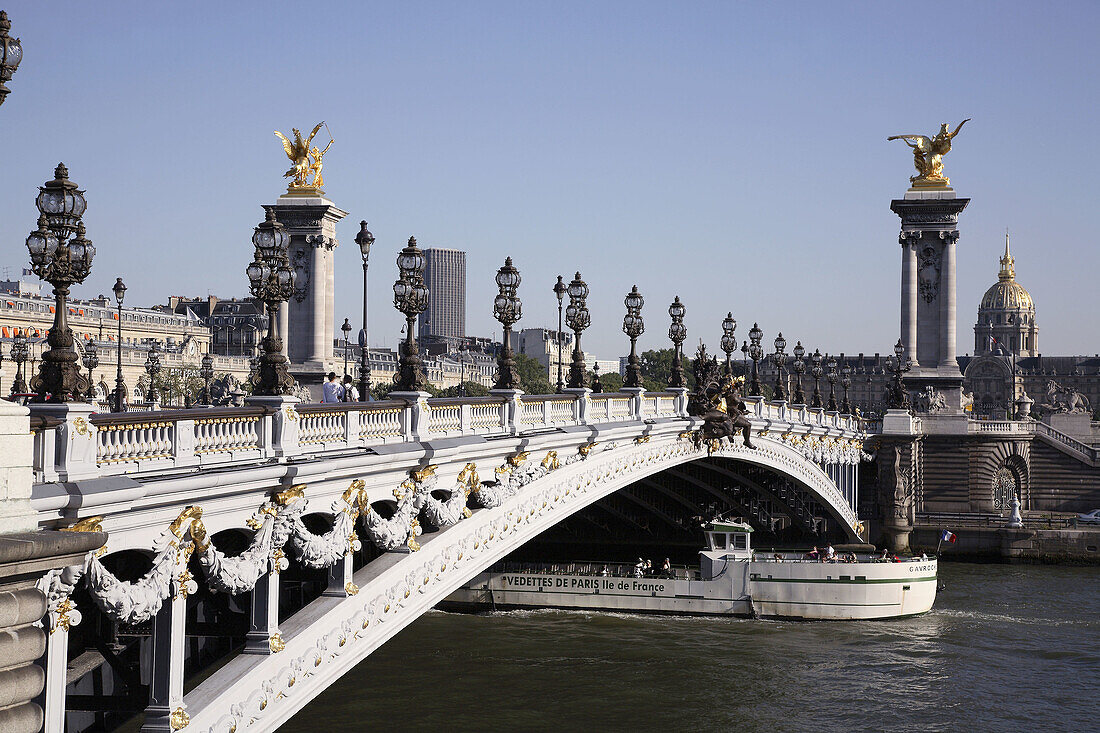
897	395
633	327
119	289
816	372
779	359
560	290
206	373
846	383
677	332
799	367
91	361
729	340
831	377
271	279
62	260
19	353
152	368
364	239
756	353
11	53
577	318
410	296
507	309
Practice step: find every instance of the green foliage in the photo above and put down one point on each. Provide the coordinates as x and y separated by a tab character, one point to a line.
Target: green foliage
172	384
657	367
382	390
532	376
472	389
612	382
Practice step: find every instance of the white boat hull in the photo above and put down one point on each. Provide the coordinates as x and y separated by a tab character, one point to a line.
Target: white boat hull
803	590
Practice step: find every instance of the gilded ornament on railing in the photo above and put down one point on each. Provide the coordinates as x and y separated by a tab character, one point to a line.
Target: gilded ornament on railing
179	719
550	462
422	474
517	460
181	523
294	493
291	413
306	160
351	588
585	449
414	532
62	619
928	155
88	524
80	426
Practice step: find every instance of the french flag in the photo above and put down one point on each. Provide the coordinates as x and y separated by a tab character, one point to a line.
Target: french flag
948	536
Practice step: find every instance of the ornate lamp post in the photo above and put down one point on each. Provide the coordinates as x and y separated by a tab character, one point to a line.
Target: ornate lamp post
799	366
597	388
11	53
462	372
19	353
91	361
410	296
816	372
633	327
364	239
831	377
152	368
559	290
729	341
119	289
206	373
779	359
346	328
271	279
756	353
578	319
1	357
745	356
846	383
507	308
898	396
62	260
677	332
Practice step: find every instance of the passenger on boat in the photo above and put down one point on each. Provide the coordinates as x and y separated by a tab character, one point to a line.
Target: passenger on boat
830	553
666	569
813	554
605	572
639	568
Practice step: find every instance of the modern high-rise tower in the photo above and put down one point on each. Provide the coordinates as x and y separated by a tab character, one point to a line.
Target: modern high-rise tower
445	276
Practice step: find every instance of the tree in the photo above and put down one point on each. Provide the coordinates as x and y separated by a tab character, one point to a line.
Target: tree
609	381
657	368
472	389
532	376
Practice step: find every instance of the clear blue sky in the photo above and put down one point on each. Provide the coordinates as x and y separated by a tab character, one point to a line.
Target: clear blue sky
732	153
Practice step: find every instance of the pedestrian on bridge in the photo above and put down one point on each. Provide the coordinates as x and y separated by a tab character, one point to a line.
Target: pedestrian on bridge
332	391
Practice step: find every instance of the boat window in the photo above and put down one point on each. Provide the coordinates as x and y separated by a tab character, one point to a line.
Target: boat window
719	540
740	541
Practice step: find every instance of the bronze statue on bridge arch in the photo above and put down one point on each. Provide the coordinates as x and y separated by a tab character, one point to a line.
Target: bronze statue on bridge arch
717	399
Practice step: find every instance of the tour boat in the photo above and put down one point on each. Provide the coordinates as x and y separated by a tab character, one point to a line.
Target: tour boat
732	579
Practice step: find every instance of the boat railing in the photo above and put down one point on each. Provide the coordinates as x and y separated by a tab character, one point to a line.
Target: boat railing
591	568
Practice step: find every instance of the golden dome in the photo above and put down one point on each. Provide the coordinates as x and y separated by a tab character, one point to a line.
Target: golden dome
1007	294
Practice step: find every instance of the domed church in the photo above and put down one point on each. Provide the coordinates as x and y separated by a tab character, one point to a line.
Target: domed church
1006	316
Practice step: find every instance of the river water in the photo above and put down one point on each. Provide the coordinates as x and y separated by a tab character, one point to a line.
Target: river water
1006	648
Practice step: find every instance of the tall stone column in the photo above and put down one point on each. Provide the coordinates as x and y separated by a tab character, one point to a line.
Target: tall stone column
929	231
311	220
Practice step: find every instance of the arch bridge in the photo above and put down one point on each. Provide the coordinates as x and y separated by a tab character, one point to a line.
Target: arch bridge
314	533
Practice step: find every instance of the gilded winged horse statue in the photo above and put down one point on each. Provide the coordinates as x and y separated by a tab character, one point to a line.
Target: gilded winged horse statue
299	153
928	155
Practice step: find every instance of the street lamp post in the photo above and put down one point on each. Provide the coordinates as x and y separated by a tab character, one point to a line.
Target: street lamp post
462	372
816	372
578	318
91	361
19	353
410	296
62	260
120	292
799	367
729	340
507	309
633	327
11	53
756	353
206	373
677	332
831	377
271	279
152	368
346	328
364	239
779	359
846	383
559	290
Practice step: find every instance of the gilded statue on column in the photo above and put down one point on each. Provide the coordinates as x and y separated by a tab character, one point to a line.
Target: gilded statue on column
306	160
928	155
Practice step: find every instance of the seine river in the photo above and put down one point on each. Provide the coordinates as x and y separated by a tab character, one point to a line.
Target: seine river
1006	648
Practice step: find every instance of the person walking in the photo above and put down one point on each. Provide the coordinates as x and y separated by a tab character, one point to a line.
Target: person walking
331	391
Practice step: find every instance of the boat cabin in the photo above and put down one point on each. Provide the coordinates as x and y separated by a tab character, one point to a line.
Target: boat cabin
727	541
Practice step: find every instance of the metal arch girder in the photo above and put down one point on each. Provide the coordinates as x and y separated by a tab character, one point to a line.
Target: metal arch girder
660	514
729	500
757	487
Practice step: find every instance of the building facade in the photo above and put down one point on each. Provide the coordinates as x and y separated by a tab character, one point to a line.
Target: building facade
445	276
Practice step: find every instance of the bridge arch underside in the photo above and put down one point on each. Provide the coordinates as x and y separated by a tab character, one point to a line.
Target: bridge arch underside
661	515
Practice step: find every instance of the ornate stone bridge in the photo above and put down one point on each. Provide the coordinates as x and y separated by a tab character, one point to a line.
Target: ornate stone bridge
352	519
